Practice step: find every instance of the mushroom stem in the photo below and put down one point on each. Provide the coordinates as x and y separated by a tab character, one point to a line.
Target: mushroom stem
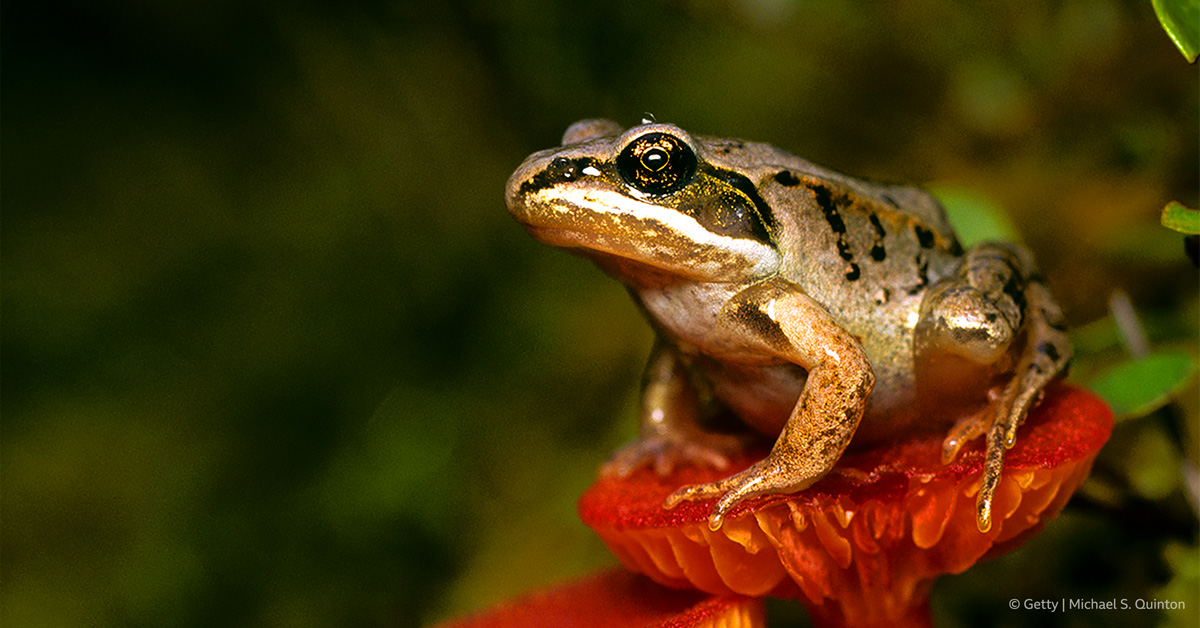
831	616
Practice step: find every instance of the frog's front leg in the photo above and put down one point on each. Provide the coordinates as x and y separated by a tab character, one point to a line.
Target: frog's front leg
670	430
777	317
977	314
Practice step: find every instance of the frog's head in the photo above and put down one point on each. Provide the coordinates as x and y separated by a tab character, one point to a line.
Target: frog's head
647	204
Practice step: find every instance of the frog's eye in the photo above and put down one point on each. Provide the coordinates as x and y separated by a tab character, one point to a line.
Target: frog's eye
657	163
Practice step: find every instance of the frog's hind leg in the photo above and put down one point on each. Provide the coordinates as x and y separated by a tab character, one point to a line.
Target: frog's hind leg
672	428
1043	357
996	298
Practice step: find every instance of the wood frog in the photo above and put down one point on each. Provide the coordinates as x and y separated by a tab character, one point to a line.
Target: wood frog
815	309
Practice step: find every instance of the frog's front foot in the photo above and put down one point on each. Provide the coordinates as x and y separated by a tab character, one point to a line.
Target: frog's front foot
770	476
664	454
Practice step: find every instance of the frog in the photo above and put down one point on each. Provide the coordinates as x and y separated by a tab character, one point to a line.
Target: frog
793	306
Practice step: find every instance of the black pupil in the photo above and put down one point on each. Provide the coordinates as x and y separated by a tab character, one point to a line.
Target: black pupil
655	159
657	163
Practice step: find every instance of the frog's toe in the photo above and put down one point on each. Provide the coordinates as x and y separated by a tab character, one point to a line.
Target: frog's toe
992	464
763	478
697	492
632	457
965	430
664	456
688	454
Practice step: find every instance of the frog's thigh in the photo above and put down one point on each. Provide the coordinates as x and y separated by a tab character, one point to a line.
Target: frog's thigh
977	312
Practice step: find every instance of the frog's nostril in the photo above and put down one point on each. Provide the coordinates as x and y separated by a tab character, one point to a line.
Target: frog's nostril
563	169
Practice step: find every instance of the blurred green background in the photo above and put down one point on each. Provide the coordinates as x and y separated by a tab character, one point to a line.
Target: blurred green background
274	354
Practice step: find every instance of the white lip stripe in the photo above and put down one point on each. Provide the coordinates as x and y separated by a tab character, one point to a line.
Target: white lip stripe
763	258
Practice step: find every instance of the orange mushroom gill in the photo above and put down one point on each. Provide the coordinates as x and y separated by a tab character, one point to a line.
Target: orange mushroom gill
863	546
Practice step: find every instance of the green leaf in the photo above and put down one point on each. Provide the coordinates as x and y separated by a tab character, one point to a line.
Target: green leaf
1181	218
976	218
1152	462
1139	387
1183	560
1181	20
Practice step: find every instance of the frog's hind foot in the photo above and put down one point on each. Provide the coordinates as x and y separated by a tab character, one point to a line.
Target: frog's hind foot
665	454
967	429
1045	355
1009	303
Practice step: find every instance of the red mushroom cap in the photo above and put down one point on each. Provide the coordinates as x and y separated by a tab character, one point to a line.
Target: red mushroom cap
619	599
862	546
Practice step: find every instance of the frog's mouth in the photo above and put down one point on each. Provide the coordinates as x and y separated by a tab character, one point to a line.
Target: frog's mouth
631	264
634	272
620	226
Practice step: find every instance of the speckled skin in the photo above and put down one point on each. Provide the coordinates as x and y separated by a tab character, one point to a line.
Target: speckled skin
819	308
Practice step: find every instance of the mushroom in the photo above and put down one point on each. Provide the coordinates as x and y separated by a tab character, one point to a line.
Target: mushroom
863	546
620	599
